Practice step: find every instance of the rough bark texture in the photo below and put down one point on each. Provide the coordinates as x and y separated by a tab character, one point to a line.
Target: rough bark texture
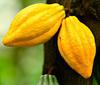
54	63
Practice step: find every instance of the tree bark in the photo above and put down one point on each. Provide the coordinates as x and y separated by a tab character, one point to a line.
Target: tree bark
54	63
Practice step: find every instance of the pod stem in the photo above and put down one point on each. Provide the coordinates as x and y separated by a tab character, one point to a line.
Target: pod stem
65	3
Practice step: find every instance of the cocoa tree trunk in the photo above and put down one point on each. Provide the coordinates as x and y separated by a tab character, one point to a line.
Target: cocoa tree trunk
53	62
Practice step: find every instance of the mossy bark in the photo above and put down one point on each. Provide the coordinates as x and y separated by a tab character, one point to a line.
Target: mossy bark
53	62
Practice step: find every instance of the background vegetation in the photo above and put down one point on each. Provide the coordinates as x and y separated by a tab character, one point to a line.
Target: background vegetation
18	66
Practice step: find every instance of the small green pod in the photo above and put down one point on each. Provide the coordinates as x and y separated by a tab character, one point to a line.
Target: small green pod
48	79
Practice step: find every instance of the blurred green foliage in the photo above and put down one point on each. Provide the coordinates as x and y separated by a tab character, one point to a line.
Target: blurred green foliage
28	2
21	66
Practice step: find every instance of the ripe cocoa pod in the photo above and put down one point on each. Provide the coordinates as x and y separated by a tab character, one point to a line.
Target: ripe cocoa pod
34	24
48	79
77	46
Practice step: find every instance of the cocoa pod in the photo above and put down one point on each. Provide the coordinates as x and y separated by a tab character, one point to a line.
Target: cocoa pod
34	25
76	44
48	79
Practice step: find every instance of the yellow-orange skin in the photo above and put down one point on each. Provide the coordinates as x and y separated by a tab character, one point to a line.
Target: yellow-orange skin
37	23
34	25
76	44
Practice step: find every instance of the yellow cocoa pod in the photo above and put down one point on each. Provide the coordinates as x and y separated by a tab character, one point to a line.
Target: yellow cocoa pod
34	25
77	46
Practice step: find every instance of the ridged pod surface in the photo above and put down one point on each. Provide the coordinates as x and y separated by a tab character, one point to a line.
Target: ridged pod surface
34	24
76	44
48	79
